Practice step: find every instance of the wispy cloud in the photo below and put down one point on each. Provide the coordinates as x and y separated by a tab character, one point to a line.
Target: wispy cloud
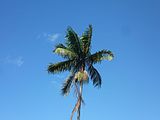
51	37
18	61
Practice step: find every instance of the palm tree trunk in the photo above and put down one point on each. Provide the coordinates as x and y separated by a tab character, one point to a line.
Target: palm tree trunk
79	109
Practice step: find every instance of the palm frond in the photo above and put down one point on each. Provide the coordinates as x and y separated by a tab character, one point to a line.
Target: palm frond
63	51
86	40
101	55
60	45
60	66
77	65
73	41
67	85
95	76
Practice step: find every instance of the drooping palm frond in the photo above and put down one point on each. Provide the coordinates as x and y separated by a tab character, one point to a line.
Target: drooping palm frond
63	51
86	40
73	41
101	55
60	66
95	76
67	85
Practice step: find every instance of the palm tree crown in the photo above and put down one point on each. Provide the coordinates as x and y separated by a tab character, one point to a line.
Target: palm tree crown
78	59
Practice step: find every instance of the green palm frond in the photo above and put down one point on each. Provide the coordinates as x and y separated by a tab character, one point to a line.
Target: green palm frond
73	41
67	85
101	55
60	66
60	45
95	76
86	40
63	51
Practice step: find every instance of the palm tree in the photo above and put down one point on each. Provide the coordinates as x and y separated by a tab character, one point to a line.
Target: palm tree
79	62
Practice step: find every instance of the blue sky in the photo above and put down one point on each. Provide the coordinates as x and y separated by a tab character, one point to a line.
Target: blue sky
30	29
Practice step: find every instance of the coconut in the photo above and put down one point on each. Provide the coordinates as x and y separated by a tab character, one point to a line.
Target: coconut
81	75
85	75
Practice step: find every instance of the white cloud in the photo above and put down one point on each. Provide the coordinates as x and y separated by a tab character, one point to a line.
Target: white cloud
52	37
18	61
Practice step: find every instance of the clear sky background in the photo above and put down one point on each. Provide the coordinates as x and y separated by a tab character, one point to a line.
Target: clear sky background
29	29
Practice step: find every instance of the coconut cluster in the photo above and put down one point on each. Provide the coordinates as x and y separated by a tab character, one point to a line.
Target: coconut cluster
82	76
